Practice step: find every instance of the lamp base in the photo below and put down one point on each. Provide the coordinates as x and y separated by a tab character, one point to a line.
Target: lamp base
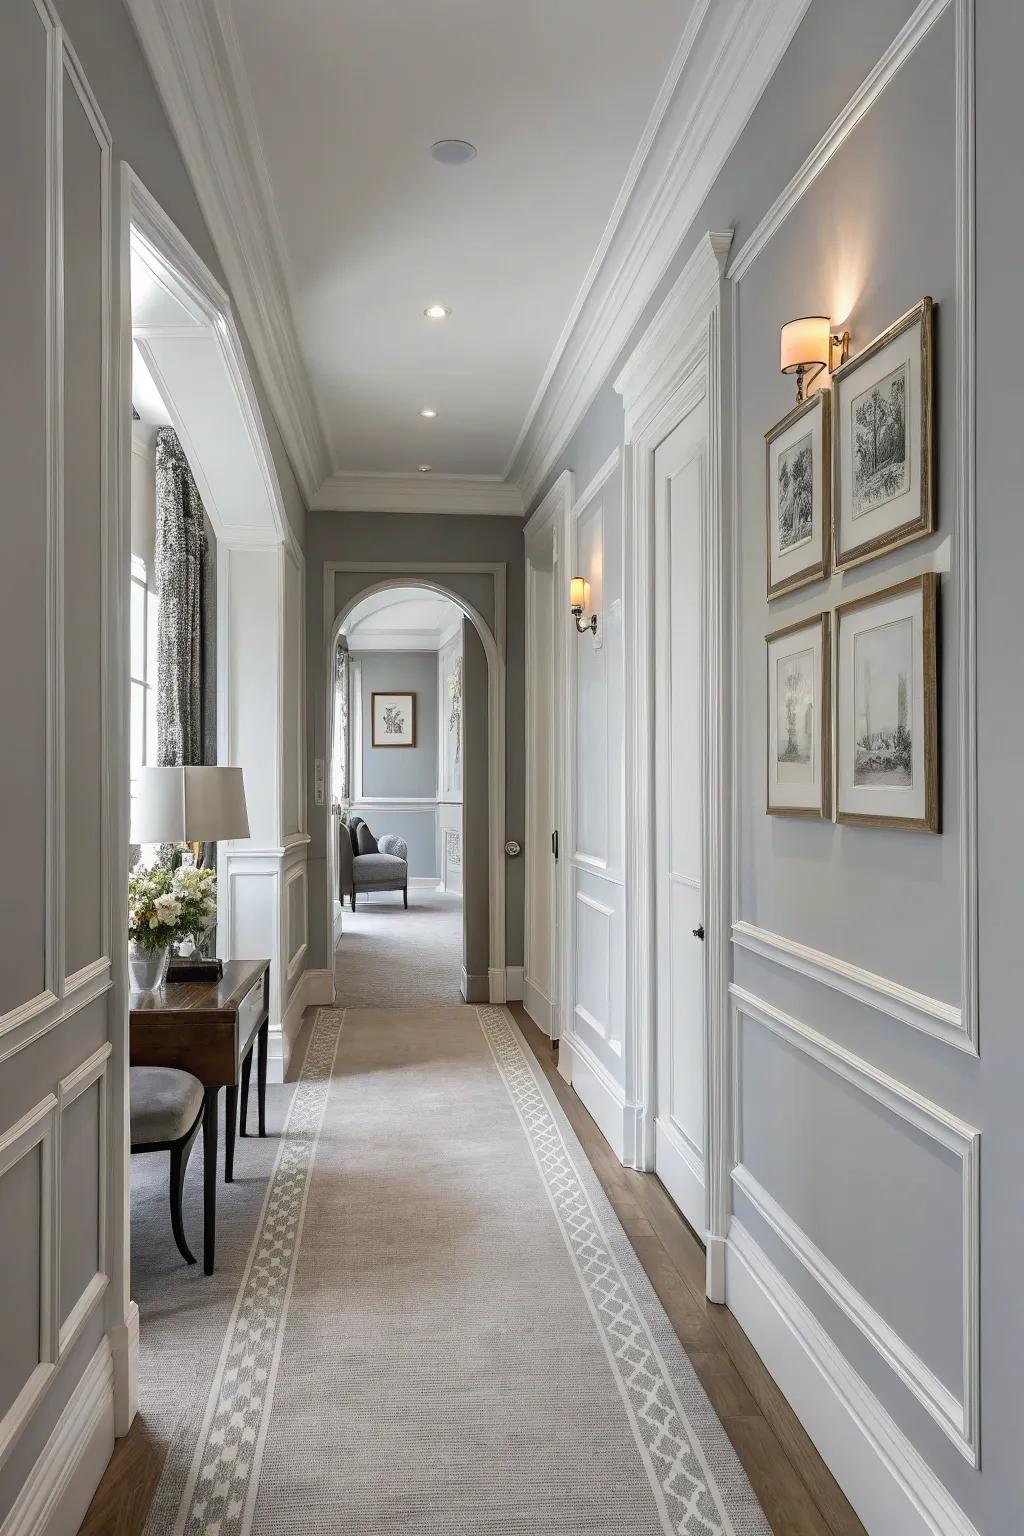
194	968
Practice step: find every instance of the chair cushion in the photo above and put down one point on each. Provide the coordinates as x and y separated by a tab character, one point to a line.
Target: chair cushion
365	840
378	869
164	1104
353	823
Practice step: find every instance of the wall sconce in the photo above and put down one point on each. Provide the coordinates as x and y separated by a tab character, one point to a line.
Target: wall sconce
807	346
579	598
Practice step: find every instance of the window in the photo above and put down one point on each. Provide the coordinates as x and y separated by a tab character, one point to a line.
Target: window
144	606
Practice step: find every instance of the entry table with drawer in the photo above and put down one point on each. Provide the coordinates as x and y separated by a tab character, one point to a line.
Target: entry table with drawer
209	1028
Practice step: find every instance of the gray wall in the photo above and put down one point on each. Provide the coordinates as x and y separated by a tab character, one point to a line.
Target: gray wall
390	538
401	772
876	230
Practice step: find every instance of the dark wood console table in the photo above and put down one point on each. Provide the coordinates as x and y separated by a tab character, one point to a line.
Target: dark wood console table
209	1029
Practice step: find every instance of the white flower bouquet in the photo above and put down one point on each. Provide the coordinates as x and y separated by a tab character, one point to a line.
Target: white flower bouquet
168	905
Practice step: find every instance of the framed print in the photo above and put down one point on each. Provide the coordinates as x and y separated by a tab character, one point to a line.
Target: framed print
883	495
797	496
800	719
393	719
887	753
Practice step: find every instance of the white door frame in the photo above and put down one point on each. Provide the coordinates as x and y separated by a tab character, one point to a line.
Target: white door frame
546	534
677	363
431	576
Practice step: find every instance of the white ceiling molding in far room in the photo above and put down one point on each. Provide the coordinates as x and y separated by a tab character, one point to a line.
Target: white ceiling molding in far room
335	258
402	619
419	492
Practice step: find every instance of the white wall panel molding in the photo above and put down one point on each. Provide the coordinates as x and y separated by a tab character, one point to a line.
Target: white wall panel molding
957	1417
729	53
681	359
943	1021
92	1070
884	73
604	1097
197	64
885	1478
466	495
56	1494
37	1128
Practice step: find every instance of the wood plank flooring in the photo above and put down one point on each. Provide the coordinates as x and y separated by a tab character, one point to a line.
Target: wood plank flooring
797	1492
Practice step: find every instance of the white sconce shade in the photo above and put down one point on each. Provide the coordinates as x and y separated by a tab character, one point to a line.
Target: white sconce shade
579	599
578	593
805	343
188	805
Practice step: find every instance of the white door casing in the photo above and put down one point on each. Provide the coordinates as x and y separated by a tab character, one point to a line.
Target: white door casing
680	481
679	362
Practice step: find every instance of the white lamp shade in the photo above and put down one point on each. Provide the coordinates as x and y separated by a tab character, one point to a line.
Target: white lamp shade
804	343
188	805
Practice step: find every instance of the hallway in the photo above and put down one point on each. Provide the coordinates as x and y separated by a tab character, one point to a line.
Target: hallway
388	957
505	1319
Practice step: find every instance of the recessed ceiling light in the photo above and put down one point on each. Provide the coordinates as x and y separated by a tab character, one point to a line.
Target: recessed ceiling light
424	469
437	312
453	151
428	412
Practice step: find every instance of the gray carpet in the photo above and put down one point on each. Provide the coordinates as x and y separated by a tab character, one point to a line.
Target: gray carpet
442	1326
390	958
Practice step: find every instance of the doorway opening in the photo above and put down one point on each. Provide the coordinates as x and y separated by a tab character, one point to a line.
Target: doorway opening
403	710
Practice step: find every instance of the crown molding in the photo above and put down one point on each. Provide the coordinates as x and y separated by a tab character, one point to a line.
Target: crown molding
467	495
733	52
192	50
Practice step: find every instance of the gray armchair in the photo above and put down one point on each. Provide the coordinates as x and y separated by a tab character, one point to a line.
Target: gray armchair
367	863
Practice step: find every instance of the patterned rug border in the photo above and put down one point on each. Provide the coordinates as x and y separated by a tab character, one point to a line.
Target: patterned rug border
702	1432
212	1503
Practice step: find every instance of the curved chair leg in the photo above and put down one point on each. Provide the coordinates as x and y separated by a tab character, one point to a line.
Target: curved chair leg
352	898
179	1162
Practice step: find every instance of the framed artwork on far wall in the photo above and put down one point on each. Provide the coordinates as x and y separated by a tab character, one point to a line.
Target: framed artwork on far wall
393	719
883	492
800	719
798	496
887	736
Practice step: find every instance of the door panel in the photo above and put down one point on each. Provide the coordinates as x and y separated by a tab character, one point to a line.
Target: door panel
680	480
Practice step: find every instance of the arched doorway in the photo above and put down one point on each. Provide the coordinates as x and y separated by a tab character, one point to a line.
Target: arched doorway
492	645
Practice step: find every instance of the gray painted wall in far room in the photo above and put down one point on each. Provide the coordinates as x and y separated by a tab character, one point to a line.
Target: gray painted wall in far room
400	772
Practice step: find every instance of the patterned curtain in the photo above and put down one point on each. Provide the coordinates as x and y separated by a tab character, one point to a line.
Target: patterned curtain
181	560
339	748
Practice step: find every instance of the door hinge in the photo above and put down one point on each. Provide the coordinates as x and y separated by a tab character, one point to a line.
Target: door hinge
554	844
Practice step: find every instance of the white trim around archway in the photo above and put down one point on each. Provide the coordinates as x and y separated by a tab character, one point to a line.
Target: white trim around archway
431	576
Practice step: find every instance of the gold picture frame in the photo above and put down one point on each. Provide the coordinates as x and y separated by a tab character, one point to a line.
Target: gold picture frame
887	708
883	493
790	772
799	444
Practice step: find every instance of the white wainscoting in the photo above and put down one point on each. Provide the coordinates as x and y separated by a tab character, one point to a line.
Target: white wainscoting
957	1417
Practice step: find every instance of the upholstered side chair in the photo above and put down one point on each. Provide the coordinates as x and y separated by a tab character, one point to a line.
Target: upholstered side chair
370	864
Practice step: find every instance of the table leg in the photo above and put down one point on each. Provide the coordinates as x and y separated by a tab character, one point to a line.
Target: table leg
261	1074
209	1178
246	1075
230	1120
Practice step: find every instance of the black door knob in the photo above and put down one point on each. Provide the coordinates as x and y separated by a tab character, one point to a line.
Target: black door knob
698	933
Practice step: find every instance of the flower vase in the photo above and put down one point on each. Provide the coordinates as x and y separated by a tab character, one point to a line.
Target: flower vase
147	967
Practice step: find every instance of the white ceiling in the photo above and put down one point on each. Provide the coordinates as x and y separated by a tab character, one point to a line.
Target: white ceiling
346	98
401	618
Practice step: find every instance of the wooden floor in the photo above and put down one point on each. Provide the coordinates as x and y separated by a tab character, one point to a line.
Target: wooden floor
797	1492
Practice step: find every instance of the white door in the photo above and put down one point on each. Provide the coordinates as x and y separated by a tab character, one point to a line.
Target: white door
680	479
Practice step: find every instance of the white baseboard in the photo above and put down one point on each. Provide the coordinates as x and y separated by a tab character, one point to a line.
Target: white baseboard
57	1492
426	882
537	1005
495	986
124	1349
714	1269
514	983
681	1170
885	1479
312	988
603	1097
475	989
